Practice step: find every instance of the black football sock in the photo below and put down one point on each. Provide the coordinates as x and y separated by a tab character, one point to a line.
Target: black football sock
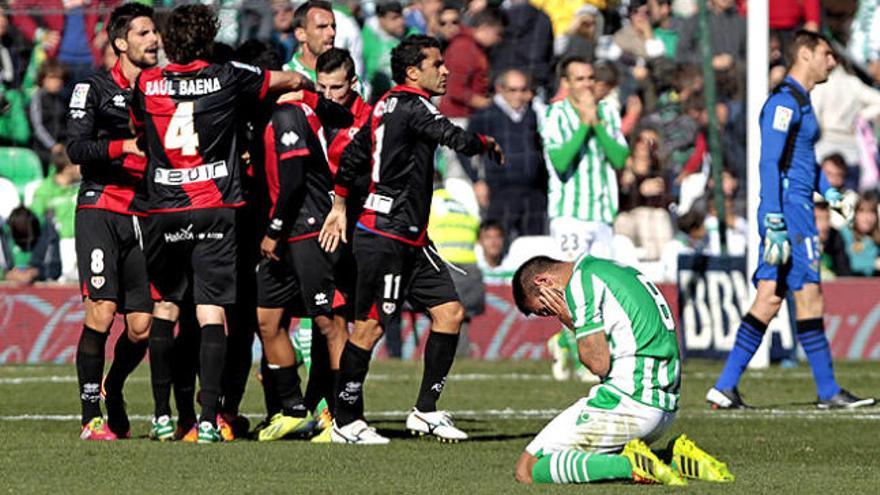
89	369
127	355
332	390
439	355
270	396
161	344
349	394
185	367
212	357
287	387
320	381
239	357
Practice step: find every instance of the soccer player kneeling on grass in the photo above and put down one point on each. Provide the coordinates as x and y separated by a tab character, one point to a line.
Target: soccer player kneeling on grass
625	335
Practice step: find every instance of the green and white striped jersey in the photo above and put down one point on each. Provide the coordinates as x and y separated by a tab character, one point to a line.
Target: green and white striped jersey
605	296
586	188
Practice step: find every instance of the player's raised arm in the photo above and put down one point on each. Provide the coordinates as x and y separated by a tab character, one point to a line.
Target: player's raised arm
428	121
289	81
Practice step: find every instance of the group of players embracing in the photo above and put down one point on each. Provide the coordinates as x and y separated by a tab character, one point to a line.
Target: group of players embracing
231	197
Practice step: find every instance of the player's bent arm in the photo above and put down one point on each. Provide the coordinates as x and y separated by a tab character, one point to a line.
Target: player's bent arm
614	151
562	153
83	146
428	121
593	352
288	81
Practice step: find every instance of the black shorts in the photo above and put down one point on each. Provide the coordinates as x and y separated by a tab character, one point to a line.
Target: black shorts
307	280
110	259
390	271
193	252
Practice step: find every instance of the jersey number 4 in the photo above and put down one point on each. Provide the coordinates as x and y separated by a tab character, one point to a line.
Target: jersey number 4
181	134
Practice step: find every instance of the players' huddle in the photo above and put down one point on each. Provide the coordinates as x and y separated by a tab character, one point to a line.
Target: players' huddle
229	198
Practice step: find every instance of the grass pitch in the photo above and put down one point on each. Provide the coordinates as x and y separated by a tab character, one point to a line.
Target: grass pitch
787	446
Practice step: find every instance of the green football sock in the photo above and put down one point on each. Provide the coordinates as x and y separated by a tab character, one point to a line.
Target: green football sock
302	340
572	466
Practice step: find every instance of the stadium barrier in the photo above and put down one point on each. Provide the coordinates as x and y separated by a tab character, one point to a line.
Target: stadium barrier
41	324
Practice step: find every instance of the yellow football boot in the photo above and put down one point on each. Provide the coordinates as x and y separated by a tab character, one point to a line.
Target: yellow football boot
694	462
647	467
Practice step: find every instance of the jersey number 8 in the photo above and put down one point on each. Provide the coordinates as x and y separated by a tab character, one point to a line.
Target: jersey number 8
662	306
181	133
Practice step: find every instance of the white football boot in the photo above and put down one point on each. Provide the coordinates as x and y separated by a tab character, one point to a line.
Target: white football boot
357	433
437	423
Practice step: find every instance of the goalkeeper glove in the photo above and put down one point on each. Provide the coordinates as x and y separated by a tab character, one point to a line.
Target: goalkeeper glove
845	204
776	246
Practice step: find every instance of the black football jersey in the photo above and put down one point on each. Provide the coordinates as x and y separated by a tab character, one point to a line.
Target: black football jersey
97	125
189	117
397	150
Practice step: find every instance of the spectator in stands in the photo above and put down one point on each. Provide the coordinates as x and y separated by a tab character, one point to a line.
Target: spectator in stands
581	38
13	53
419	16
527	44
448	24
727	36
69	31
563	12
863	239
644	198
737	229
864	41
283	37
690	239
48	111
56	195
467	89
637	39
380	35
787	17
834	261
28	252
515	194
839	105
666	26
490	254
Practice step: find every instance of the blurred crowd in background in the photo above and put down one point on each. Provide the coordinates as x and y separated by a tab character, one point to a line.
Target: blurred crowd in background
502	56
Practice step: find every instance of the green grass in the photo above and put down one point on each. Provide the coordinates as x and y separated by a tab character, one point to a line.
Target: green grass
785	447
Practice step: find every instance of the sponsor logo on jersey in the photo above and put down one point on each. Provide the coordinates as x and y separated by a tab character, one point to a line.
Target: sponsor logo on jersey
119	101
379	203
98	281
321	299
211	236
185	87
77	114
782	118
388	308
202	173
184	234
78	98
289	138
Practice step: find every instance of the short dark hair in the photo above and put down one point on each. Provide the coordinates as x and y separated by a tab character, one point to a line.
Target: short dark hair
333	59
189	33
391	6
808	39
487	17
410	53
301	12
490	224
523	280
24	227
120	21
837	159
562	67
606	72
691	220
51	67
259	54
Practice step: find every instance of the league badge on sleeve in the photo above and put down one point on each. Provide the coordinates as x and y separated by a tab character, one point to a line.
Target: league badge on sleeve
78	98
782	118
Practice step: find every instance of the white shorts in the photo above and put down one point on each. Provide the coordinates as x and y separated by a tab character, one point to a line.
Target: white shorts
599	423
576	237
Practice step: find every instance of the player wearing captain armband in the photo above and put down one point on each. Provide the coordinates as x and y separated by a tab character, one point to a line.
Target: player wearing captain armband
790	250
625	335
